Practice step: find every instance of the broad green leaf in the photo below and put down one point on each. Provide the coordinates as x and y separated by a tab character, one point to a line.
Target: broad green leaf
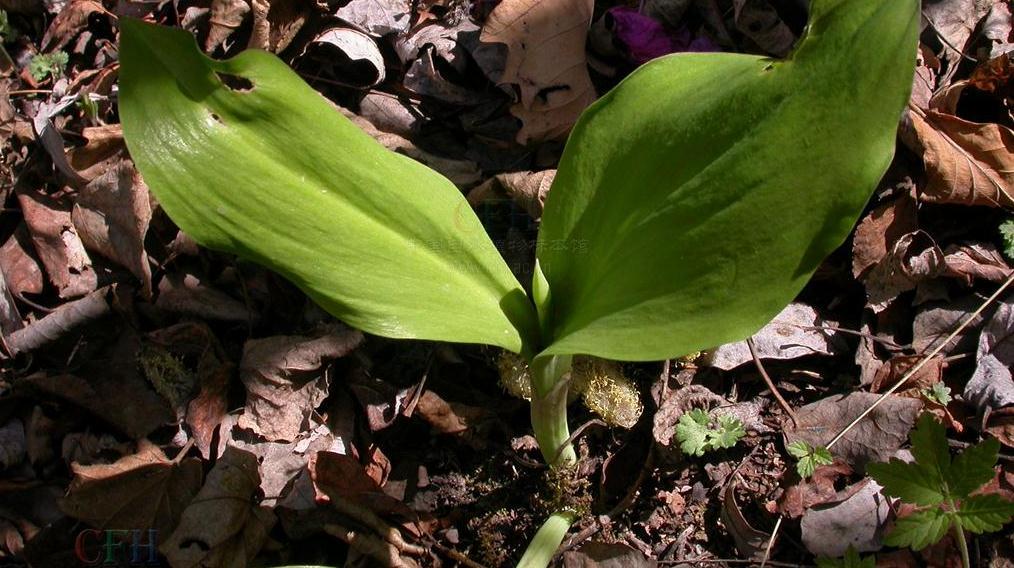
985	513
929	447
695	199
919	530
248	159
910	482
973	468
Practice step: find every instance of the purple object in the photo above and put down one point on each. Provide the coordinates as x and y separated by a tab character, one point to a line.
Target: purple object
645	38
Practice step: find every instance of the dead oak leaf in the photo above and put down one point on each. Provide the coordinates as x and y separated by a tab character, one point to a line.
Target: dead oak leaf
966	162
141	490
546	62
285	380
58	244
224	525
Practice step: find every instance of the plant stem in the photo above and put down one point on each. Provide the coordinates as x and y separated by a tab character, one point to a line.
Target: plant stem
959	535
546	542
549	409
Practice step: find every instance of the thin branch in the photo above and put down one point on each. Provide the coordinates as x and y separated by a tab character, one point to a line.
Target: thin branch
771	385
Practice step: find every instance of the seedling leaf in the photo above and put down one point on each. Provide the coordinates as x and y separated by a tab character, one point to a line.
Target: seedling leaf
919	530
808	457
730	430
692	432
1007	233
265	168
938	393
669	184
850	560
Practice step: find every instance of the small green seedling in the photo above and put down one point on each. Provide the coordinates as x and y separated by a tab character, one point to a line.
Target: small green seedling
850	560
46	65
691	204
696	435
7	32
943	489
1007	234
938	393
809	457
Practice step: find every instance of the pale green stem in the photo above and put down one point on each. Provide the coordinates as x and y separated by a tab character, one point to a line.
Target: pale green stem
546	542
959	535
549	409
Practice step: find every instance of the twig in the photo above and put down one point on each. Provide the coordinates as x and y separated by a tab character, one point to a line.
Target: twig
457	556
922	363
945	41
771	542
771	385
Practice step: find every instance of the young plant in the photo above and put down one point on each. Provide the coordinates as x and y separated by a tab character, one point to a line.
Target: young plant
692	202
943	490
48	65
1007	234
850	560
696	435
808	457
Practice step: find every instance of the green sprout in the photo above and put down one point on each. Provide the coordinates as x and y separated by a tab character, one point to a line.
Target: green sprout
47	65
850	560
696	435
1007	234
938	393
944	490
809	457
656	239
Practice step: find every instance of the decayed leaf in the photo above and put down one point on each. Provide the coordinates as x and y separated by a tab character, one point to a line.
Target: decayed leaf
759	20
104	147
875	438
911	259
378	17
285	380
349	56
21	270
790	334
224	525
546	61
816	490
992	386
142	490
880	229
856	520
186	293
997	28
276	23
112	215
606	555
973	261
750	542
527	189
967	162
955	20
226	16
58	244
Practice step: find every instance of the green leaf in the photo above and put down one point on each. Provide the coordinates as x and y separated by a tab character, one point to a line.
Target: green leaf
730	430
938	393
973	468
910	482
850	560
1007	233
46	65
692	432
985	513
698	196
919	530
248	159
809	457
929	447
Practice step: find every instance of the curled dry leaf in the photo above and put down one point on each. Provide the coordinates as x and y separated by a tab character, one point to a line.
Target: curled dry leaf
349	56
112	215
226	17
875	438
241	524
790	335
546	62
276	23
967	162
104	148
817	490
141	490
880	229
606	555
378	17
59	322
58	245
913	258
187	294
759	20
750	542
527	189
285	380
975	261
21	270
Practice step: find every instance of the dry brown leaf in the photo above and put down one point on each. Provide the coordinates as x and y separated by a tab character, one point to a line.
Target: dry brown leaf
759	20
527	189
789	335
112	215
875	438
226	17
142	490
69	22
546	62
188	294
818	489
880	229
992	385
856	520
20	269
606	555
912	259
104	147
967	162
955	20
276	23
285	380
58	244
224	525
973	261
